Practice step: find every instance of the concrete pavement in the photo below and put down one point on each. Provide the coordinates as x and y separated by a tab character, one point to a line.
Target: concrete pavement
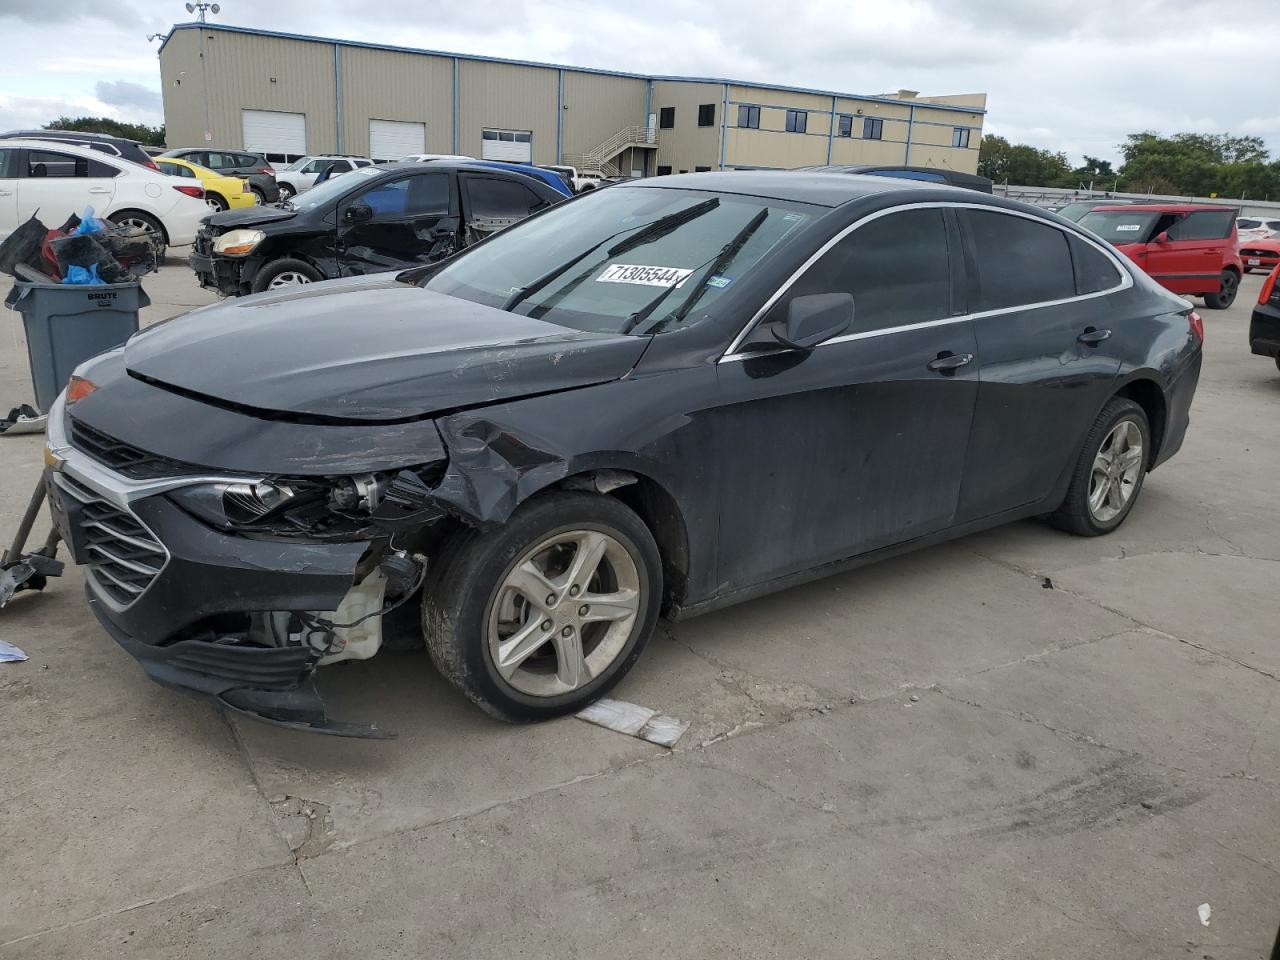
933	757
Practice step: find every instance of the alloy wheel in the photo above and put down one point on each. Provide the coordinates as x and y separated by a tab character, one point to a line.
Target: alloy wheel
563	612
1117	468
1229	284
288	278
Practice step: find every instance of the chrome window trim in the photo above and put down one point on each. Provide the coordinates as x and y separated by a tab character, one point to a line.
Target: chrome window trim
731	355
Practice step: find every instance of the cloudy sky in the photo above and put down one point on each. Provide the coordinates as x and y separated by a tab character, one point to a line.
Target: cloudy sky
1071	75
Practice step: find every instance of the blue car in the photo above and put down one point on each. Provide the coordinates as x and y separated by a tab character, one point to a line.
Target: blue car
549	177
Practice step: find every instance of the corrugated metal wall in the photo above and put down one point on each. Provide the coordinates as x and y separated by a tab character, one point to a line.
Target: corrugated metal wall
386	85
508	97
257	72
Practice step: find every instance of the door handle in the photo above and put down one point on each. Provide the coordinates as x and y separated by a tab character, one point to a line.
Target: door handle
948	362
99	190
1092	337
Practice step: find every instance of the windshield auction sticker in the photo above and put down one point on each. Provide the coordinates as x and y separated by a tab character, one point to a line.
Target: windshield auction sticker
646	276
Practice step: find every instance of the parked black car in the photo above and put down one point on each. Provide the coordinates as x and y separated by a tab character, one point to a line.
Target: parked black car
104	143
384	217
954	178
1264	325
668	396
252	167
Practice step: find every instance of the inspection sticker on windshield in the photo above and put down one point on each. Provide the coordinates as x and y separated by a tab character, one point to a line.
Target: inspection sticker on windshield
1128	227
647	276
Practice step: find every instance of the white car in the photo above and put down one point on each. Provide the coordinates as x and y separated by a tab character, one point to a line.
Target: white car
423	157
300	176
59	179
1258	228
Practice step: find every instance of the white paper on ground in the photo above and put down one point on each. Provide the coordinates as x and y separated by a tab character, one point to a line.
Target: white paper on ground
10	654
635	721
1205	912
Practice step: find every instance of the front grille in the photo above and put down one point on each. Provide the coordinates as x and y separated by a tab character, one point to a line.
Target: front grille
123	457
268	668
203	245
122	555
1246	252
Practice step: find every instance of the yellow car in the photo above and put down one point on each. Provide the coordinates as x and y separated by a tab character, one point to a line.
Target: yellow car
221	193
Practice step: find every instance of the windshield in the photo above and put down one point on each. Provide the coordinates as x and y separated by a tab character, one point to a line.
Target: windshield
334	187
1119	226
623	260
1076	210
299	163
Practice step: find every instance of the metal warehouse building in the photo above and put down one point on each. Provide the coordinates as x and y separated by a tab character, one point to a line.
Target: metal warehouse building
286	95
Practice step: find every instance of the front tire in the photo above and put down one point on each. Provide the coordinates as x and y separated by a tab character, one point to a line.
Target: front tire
1109	474
1226	294
287	192
144	221
285	273
541	616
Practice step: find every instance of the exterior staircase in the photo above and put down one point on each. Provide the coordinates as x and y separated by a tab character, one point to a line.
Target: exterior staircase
603	157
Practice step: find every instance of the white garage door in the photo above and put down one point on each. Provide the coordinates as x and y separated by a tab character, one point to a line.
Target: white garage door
393	139
271	131
515	146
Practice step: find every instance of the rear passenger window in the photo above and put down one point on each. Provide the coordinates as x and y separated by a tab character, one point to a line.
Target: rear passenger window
1094	270
896	267
501	199
8	164
1018	261
1209	225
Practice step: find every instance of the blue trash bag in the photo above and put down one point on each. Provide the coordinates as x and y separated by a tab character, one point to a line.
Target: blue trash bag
79	275
88	224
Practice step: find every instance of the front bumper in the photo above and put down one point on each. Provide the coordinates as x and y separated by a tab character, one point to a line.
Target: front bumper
153	572
229	276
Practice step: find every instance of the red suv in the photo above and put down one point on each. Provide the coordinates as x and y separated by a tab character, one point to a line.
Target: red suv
1189	248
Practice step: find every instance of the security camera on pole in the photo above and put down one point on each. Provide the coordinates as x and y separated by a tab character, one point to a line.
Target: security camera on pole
204	8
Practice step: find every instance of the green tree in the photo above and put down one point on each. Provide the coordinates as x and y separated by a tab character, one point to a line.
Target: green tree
1198	164
153	136
1020	163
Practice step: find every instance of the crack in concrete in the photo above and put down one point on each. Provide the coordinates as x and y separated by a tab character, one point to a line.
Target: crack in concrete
1060	732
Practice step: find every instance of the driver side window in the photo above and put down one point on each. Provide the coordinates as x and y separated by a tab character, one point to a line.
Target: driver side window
423	195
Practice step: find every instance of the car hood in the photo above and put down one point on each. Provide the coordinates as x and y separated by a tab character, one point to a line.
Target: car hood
255	216
369	349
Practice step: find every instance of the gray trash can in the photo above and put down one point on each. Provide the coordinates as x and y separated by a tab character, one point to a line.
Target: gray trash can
66	324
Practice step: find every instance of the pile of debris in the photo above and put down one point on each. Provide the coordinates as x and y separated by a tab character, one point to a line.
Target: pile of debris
84	250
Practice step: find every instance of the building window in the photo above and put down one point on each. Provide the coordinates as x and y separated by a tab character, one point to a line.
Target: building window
960	137
797	121
749	117
707	115
701	169
667	118
872	128
846	125
664	170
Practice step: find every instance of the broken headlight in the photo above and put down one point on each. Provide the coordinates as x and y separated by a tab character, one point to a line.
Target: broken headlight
238	243
314	505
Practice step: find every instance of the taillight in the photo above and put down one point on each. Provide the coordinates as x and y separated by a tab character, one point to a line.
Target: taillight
1269	285
152	164
1197	325
266	170
197	192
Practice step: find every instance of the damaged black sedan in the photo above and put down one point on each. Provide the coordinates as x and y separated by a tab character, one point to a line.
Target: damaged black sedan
658	399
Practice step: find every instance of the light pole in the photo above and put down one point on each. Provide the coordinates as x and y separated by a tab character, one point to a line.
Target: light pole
204	69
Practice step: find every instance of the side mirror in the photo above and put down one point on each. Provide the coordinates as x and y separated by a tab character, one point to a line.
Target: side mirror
358	213
1162	237
815	319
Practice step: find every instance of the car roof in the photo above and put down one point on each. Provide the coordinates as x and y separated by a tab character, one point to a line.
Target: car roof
1166	207
804	186
79	134
43	144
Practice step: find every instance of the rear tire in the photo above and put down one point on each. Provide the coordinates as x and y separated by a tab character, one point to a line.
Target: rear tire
480	601
215	201
1226	294
285	272
1109	473
287	192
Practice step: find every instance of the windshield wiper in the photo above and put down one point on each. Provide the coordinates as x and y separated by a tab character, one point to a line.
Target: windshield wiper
714	266
650	231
